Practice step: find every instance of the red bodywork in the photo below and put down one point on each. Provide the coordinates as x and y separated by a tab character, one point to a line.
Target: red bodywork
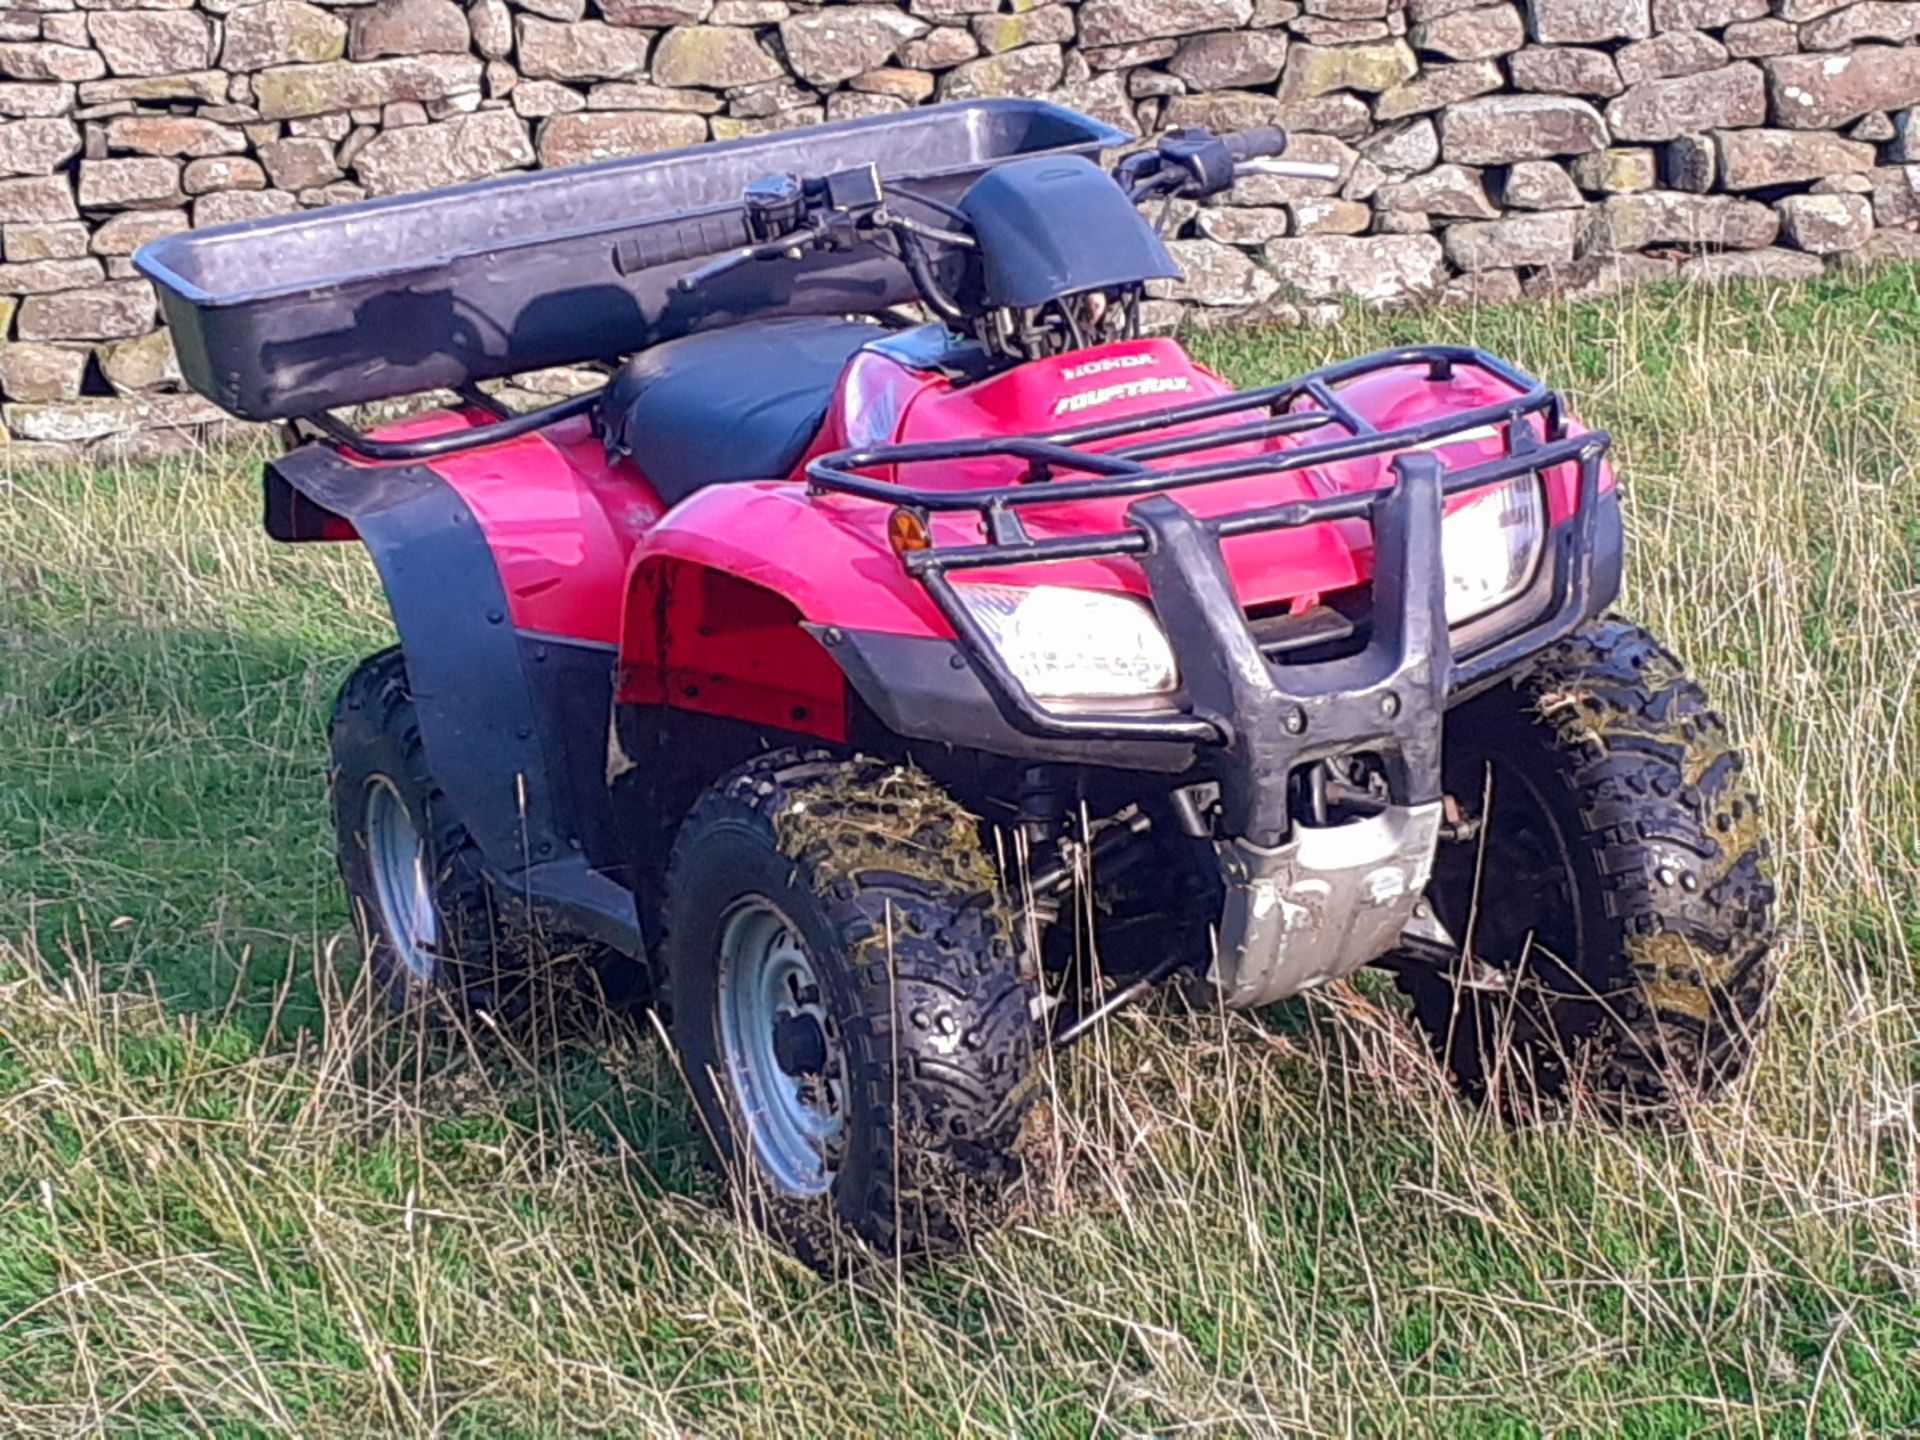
704	604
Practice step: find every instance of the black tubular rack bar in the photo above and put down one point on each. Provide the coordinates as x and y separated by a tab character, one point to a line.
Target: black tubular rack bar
1126	471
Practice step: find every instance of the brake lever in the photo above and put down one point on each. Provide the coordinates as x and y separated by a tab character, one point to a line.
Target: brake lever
787	247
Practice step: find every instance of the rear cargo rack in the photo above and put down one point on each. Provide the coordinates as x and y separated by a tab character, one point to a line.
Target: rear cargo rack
322	309
1137	469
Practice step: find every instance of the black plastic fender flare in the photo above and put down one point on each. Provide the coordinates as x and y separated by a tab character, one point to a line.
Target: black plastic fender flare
477	711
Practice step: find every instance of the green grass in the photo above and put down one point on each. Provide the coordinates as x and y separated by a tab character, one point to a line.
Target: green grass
228	1207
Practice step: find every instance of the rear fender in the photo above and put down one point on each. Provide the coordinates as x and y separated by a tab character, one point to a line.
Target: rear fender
293	518
483	730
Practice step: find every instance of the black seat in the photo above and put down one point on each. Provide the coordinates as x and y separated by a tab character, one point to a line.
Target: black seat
735	404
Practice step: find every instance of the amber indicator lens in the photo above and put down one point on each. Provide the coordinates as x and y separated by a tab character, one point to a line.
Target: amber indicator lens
907	530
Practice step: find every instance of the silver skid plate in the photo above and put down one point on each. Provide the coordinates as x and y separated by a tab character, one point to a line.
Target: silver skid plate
1319	907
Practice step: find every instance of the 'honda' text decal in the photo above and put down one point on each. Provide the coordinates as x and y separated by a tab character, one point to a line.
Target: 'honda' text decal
1110	362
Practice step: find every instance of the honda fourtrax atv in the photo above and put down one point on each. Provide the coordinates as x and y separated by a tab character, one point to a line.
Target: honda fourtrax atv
906	662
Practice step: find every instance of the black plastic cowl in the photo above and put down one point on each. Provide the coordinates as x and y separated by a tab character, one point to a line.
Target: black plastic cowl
1058	225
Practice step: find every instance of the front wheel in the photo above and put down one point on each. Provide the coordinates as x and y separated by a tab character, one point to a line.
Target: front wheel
1609	887
848	1003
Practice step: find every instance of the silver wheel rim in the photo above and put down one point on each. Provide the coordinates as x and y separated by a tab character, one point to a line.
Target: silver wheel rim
784	1060
398	858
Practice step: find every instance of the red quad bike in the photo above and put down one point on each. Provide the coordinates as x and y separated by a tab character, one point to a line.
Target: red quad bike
906	694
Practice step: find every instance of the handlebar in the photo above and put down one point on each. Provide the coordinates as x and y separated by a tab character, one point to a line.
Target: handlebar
785	216
1196	163
1289	169
1252	144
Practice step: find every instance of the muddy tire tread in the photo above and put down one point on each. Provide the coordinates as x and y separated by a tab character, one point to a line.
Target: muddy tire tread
892	858
1671	824
1665	798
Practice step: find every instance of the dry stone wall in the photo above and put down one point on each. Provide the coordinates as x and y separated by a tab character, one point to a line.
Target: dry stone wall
1486	151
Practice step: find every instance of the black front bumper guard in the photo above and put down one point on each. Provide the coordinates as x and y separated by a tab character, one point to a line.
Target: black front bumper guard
1261	720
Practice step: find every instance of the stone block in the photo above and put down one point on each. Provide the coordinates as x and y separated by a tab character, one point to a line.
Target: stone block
711	57
281	32
113	311
152	42
1120	22
1731	96
469	147
408	27
1819	92
142	182
41	373
1584	22
1480	34
1665	217
1825	224
570	139
837	42
1515	240
1756	159
1374	269
1501	129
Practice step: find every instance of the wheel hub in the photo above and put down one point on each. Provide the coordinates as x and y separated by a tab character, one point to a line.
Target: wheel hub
784	1060
402	887
799	1044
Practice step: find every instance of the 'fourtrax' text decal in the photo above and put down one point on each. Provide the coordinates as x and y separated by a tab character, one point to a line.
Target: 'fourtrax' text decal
1121	390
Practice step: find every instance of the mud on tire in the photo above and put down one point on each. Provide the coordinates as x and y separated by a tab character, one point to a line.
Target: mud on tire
911	975
471	961
1619	888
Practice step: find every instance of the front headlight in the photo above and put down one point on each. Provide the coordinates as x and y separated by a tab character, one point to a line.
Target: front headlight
1491	546
1066	644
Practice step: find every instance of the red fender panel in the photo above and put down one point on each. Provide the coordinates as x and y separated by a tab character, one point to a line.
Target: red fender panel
704	640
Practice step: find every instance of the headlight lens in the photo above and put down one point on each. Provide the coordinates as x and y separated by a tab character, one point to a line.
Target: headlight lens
1066	644
1491	546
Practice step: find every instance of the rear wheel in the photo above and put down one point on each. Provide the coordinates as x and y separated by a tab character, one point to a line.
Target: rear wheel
850	1009
1612	894
425	914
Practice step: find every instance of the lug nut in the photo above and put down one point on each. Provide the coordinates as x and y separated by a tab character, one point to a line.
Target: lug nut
1295	722
1389	705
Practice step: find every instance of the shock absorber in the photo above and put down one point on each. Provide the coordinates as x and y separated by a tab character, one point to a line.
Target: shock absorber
1045	801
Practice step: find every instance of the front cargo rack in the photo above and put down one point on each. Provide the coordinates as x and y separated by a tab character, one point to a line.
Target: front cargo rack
1134	470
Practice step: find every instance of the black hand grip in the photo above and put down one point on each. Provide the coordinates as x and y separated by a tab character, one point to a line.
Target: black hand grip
693	240
1250	144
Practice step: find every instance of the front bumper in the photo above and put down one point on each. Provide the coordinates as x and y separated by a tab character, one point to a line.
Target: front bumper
926	689
1302	904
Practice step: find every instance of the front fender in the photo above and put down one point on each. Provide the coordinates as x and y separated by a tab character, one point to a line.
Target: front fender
726	598
825	555
758	603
